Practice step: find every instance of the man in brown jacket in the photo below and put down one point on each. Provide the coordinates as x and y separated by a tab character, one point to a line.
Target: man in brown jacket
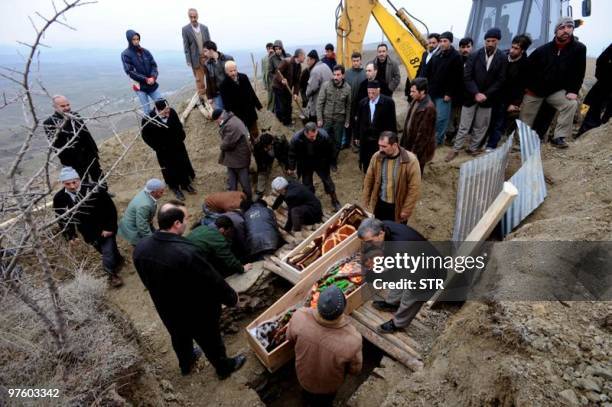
392	184
327	347
286	85
235	150
420	127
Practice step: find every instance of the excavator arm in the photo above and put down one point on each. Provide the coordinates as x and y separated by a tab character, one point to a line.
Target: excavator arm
351	23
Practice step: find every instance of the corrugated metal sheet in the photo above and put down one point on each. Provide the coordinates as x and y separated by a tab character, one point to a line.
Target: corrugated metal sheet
530	141
529	180
480	181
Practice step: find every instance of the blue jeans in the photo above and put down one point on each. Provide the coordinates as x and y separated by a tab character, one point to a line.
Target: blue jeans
218	101
144	97
497	125
443	111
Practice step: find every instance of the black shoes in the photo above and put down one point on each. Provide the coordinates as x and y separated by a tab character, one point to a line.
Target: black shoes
190	189
384	306
236	363
387	328
197	352
179	194
559	142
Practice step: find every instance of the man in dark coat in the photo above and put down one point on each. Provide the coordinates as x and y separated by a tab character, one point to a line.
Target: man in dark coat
433	46
187	292
262	236
444	75
404	304
311	150
286	84
165	135
235	151
419	128
71	138
555	74
330	56
304	208
95	218
215	73
484	76
375	114
139	65
362	89
599	97
512	91
240	98
387	69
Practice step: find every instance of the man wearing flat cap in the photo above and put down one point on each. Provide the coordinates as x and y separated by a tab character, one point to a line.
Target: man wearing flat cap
327	347
137	221
95	219
483	76
555	74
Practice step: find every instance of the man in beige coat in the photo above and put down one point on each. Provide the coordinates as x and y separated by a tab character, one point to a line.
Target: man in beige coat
327	347
392	184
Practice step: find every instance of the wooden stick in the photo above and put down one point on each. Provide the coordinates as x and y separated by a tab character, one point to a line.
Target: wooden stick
254	72
372	324
401	356
299	108
481	231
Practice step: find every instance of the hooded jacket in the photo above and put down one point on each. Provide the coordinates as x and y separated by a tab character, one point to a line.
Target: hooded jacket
319	74
138	64
235	146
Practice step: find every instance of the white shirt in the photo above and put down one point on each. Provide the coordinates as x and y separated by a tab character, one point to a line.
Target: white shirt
431	54
489	59
373	108
196	28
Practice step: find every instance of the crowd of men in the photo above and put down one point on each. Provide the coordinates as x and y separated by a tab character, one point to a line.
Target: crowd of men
467	95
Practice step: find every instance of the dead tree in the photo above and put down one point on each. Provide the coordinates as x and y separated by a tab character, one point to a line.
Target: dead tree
28	229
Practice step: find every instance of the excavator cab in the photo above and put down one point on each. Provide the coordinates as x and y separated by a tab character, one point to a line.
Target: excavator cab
534	17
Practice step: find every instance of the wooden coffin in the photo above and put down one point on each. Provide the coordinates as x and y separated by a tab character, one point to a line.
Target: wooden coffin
294	275
283	353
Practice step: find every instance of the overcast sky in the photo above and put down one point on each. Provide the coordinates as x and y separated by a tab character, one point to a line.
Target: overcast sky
241	24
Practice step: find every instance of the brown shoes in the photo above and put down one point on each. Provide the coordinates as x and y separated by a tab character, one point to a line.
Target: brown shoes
115	281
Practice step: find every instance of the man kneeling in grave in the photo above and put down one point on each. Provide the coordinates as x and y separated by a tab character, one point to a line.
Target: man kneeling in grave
403	303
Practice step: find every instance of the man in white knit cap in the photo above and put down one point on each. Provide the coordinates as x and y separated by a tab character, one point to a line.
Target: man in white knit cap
89	209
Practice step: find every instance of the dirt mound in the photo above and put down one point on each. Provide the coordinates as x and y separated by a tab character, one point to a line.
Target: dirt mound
532	353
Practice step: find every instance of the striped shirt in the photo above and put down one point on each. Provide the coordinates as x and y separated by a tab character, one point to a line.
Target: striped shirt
390	168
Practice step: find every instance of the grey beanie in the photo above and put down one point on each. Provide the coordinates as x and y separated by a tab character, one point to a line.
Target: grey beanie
331	303
563	21
68	173
279	183
154	184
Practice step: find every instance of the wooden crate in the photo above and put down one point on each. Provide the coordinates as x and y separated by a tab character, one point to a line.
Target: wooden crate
283	353
294	275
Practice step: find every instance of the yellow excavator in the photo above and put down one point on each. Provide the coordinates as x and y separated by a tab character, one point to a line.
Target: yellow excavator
535	17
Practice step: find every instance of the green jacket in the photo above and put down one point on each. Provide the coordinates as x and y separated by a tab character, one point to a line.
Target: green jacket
334	103
216	249
136	222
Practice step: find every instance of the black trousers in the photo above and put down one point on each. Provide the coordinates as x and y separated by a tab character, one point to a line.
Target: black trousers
384	211
282	105
208	337
107	246
318	400
302	215
325	176
92	170
594	117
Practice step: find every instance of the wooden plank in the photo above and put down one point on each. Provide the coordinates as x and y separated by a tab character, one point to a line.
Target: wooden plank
392	338
481	231
403	357
189	108
379	318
